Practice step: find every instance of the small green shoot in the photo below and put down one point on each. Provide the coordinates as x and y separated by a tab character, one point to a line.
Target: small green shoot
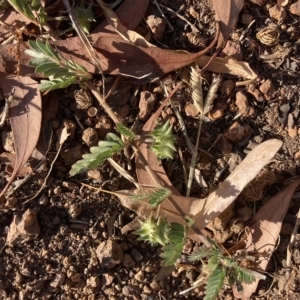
27	8
99	154
220	267
154	198
84	16
163	145
171	236
61	72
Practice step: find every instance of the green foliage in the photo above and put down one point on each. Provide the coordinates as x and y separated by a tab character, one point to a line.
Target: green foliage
99	154
154	198
31	9
129	134
61	72
171	236
154	231
214	283
198	254
218	267
84	16
24	7
163	147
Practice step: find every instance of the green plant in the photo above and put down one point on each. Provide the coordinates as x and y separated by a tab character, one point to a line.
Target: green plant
114	145
84	16
218	268
155	230
61	72
31	9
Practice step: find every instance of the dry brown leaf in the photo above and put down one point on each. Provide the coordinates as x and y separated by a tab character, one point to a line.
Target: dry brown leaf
127	34
227	13
119	56
204	211
130	13
25	117
228	65
167	208
264	230
8	159
221	198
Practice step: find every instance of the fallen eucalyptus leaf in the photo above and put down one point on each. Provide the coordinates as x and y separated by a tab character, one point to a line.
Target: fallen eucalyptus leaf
25	117
232	186
264	231
227	13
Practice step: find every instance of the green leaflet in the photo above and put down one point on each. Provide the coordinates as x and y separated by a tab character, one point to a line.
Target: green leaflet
43	67
171	253
214	283
23	7
244	275
154	198
99	154
60	71
164	141
198	254
128	133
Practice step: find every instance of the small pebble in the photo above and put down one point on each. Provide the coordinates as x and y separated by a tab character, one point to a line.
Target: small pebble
109	254
293	131
128	261
155	286
232	49
268	89
136	255
94	174
191	110
93	281
235	132
226	88
90	137
139	276
295	8
242	104
107	279
146	105
217	111
157	26
256	93
278	13
70	184
57	190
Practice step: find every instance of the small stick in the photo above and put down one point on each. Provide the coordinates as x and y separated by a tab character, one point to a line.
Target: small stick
194	29
163	15
292	242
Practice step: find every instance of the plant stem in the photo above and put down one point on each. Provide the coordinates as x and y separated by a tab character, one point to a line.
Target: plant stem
193	161
102	102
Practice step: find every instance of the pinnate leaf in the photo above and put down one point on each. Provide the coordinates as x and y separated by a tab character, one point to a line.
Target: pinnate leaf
244	275
128	133
214	283
99	154
154	198
170	253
